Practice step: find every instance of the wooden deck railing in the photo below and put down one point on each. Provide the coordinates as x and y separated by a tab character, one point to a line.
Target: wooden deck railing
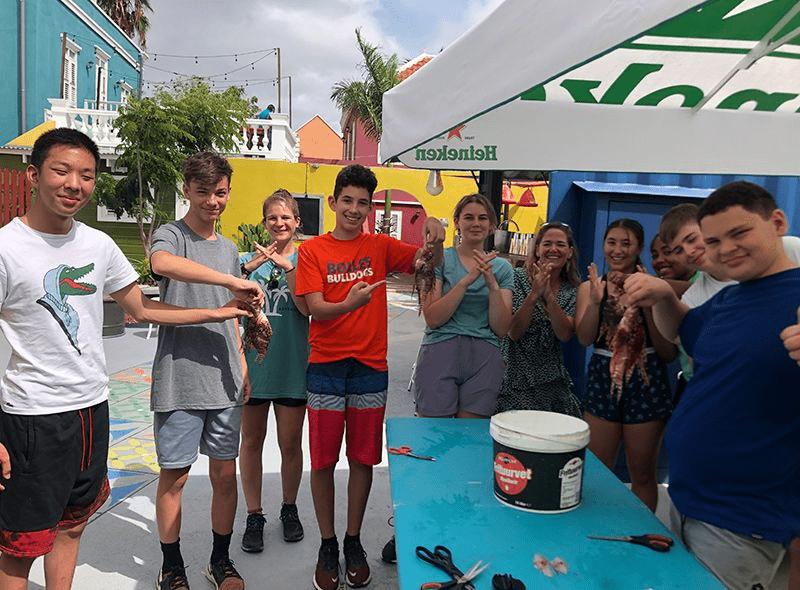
15	194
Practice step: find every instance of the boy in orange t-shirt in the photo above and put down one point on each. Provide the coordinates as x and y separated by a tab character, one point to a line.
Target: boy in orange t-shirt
342	275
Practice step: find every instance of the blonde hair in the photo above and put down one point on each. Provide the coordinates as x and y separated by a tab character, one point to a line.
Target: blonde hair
283	197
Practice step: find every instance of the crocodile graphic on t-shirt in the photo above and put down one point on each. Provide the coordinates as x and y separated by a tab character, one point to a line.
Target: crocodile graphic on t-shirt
60	283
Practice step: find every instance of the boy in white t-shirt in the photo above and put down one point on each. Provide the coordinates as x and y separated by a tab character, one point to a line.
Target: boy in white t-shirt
54	272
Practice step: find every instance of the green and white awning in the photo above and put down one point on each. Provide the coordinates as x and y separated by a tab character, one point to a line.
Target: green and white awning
624	85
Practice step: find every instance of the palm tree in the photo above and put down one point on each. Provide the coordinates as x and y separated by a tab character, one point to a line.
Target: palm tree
130	16
365	97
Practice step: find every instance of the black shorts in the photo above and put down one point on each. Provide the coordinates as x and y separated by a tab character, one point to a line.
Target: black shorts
290	402
58	476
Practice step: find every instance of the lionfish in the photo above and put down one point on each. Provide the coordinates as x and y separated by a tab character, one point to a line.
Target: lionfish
625	335
424	277
257	332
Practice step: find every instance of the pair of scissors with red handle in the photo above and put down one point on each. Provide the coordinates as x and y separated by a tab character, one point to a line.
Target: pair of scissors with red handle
409	452
652	541
459	583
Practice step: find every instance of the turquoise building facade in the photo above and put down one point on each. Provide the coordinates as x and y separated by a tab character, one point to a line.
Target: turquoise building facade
61	49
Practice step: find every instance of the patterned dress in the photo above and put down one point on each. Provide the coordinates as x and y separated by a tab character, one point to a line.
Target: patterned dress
535	377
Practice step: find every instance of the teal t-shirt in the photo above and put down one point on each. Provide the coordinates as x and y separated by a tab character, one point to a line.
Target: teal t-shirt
471	318
282	373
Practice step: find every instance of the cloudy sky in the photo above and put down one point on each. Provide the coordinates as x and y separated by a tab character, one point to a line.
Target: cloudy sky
316	39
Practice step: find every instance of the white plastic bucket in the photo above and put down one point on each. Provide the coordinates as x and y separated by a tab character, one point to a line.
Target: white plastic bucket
539	459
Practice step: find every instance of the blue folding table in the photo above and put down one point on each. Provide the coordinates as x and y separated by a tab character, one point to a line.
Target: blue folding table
451	502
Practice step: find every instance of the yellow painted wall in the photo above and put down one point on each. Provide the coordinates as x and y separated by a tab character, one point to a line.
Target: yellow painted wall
254	180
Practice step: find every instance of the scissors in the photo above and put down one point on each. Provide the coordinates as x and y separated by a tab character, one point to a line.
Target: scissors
460	583
442	558
407	451
652	541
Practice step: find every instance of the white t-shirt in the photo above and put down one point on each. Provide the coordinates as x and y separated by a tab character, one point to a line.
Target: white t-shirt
706	286
51	313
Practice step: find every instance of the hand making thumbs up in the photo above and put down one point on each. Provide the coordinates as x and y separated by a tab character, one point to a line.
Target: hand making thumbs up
791	338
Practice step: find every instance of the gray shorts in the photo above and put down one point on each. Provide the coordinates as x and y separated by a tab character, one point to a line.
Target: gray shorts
739	561
460	373
180	433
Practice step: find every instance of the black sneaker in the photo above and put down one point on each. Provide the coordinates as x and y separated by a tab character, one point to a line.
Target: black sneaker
389	553
357	572
292	528
253	538
224	576
326	576
174	579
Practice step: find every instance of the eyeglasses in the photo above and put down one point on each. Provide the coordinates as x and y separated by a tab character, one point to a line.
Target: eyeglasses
273	278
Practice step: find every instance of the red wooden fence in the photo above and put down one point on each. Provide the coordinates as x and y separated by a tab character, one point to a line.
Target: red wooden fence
15	194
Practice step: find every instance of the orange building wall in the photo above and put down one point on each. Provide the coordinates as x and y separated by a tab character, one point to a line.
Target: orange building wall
319	140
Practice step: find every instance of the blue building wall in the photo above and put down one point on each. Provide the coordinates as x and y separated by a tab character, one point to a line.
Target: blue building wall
45	21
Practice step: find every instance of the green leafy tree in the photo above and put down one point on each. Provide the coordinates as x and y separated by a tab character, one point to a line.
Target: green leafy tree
364	98
214	119
130	16
156	135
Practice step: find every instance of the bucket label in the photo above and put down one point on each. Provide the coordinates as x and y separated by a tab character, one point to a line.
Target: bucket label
571	476
510	474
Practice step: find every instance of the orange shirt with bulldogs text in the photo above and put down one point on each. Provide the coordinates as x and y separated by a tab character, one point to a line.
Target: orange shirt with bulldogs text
332	267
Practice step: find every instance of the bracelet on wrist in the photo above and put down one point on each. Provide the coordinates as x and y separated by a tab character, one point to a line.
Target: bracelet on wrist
288	271
245	272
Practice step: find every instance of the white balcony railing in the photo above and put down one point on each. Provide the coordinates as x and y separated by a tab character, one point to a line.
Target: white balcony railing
270	139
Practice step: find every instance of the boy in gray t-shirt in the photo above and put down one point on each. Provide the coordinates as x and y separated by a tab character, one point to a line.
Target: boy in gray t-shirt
199	374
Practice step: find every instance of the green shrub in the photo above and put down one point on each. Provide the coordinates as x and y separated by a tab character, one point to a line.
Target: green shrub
142	267
251	233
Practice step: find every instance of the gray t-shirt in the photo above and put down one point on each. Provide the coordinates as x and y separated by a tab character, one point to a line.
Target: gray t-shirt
196	367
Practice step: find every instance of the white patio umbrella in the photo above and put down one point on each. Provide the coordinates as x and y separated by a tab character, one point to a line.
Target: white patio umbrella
623	85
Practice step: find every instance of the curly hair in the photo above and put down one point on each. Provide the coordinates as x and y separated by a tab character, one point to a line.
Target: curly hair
355	175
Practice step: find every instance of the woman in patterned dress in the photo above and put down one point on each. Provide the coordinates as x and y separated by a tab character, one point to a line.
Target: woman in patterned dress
543	303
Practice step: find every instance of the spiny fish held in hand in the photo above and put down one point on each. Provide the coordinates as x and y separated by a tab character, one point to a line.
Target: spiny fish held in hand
257	332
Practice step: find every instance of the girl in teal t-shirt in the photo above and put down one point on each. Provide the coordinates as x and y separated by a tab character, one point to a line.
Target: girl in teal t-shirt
460	368
280	379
